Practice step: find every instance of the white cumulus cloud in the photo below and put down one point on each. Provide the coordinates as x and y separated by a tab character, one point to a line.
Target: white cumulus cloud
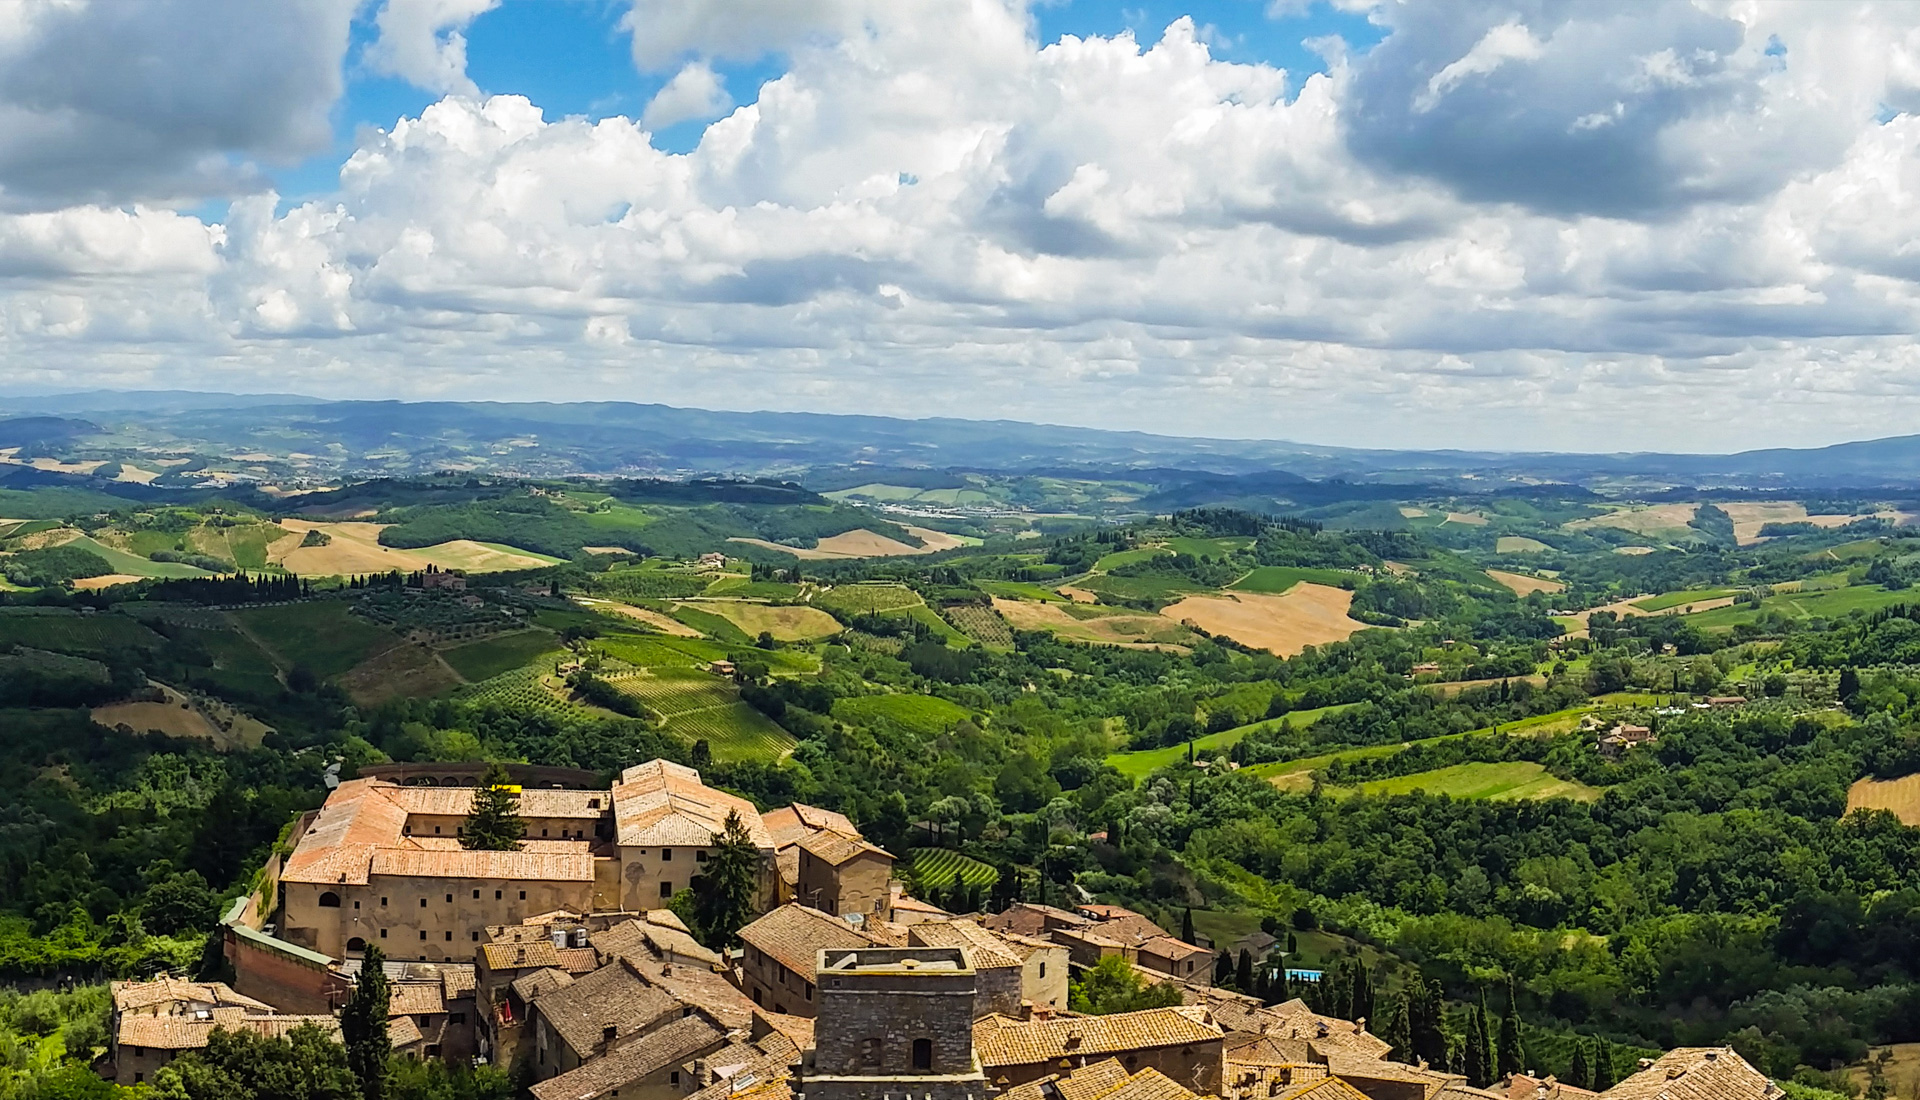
695	92
424	43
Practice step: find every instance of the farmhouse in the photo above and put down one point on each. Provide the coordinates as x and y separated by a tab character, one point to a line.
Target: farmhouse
1623	737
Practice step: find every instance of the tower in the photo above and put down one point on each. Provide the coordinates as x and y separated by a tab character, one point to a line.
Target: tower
895	1023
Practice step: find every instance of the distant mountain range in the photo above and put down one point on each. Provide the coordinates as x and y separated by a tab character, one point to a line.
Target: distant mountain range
376	438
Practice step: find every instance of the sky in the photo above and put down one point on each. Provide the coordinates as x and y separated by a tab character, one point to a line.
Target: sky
1517	225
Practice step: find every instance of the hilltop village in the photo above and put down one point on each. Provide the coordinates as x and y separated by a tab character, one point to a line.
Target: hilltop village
560	961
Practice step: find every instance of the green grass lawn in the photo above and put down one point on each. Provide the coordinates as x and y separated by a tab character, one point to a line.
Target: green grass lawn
1021	590
662	651
1510	779
1278	578
1209	548
921	714
489	657
320	635
1681	599
1158	586
1138	765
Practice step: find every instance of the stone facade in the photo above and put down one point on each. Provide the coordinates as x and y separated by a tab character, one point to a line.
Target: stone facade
895	1022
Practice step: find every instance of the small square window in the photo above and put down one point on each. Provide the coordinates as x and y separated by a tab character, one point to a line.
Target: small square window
543	832
423	933
476	895
383	933
476	937
356	905
496	895
423	903
666	855
699	857
673	1077
666	889
449	937
383	902
523	895
436	830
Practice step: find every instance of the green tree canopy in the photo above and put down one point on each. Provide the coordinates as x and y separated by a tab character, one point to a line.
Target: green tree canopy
1112	986
363	1026
727	895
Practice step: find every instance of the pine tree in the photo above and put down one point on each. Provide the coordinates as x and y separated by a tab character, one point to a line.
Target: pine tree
1399	1030
363	1025
1580	1074
1243	975
1603	1071
729	892
1186	926
494	823
1475	1055
1512	1058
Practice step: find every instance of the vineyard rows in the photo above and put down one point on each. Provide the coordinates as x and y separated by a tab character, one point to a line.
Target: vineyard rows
521	690
982	624
935	867
849	600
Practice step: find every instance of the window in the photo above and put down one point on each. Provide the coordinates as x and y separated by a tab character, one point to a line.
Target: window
756	998
356	944
673	1077
666	889
449	899
593	803
423	933
476	895
436	830
423	903
329	900
523	895
1043	969
809	991
139	1052
666	855
383	903
870	1052
449	937
496	895
476	937
356	905
543	832
433	1052
608	1033
700	857
923	1054
383	933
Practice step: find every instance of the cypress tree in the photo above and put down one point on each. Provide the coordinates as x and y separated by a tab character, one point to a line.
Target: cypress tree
363	1026
1580	1074
1243	976
1512	1059
1427	1028
494	822
1603	1071
1186	926
1223	968
1475	1055
1362	1006
1282	989
1399	1030
1483	1041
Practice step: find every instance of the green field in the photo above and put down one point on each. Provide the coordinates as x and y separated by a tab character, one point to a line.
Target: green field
489	657
1295	772
848	600
739	587
701	707
921	714
238	664
1512	779
1826	604
1279	578
1021	590
134	565
1209	548
72	633
320	635
1519	544
662	651
1138	765
1681	599
1127	557
713	626
1158	586
935	868
982	624
13	529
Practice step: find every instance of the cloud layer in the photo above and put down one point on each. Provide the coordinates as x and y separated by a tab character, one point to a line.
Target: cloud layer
1537	224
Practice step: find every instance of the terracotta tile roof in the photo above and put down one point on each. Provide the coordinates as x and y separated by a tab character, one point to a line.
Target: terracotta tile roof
1344	1063
908	904
457	982
633	1060
452	844
1167	947
613	996
534	802
1148	1084
700	986
1460	1090
531	987
403	1032
1025	1043
1519	1086
519	933
415	998
578	960
1029	919
985	948
520	956
1092	1082
789	823
1025	946
274	1027
1329	1033
168	991
1696	1073
643	939
773	1050
1105	912
575	865
1269	1050
661	803
788	863
769	1081
1324	1088
836	849
794	935
797	1030
191	1033
339	843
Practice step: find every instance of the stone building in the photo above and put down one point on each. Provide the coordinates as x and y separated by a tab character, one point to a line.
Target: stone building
155	1022
826	864
1183	1043
999	972
647	1068
894	1022
781	949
